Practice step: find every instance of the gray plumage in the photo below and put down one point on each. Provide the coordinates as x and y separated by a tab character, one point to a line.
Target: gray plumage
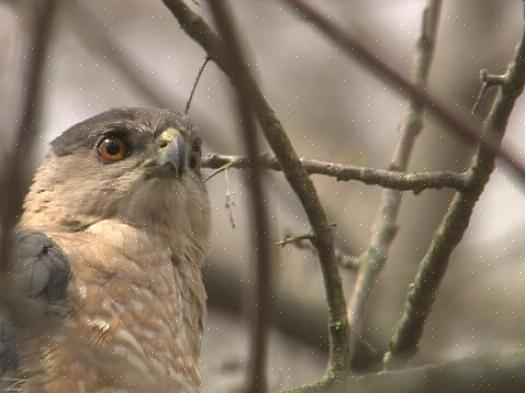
38	277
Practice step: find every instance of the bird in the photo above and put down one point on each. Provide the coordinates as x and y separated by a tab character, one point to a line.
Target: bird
104	281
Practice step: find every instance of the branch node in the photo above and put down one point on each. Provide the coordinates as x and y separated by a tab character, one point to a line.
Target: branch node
297	241
305	242
487	81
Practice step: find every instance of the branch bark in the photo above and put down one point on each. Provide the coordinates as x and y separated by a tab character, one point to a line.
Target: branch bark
459	123
416	182
291	313
296	175
257	381
421	293
495	373
385	225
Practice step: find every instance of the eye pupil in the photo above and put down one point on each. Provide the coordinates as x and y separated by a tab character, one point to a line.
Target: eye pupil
112	149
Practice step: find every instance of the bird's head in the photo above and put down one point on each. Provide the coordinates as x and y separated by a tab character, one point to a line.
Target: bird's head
137	165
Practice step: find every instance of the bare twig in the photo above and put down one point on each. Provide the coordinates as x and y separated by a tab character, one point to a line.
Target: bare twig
296	175
229	202
304	242
298	241
415	182
459	123
487	80
41	29
223	168
196	83
261	312
385	226
421	293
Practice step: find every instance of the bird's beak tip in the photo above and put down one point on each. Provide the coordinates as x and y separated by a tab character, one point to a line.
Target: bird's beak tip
171	152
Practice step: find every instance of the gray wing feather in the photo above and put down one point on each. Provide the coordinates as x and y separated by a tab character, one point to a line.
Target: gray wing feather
40	273
40	269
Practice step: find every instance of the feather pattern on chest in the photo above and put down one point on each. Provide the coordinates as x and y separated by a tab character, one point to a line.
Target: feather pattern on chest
144	314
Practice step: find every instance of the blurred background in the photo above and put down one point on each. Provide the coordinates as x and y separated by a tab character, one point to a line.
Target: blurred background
112	53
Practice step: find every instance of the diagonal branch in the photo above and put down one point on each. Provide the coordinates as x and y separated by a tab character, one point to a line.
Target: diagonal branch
459	123
296	175
385	225
416	182
261	312
421	293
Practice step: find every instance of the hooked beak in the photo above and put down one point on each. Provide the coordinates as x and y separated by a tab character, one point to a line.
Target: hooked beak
170	155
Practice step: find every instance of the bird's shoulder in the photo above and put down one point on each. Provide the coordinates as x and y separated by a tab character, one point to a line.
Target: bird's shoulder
37	278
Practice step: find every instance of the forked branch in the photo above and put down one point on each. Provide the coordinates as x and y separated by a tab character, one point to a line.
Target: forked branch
458	123
385	225
422	292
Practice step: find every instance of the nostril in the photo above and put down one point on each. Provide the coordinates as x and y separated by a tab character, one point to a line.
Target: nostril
163	143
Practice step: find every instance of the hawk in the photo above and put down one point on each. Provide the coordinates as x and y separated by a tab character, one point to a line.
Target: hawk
109	249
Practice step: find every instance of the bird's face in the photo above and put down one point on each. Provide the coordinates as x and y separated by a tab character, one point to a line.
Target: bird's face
140	166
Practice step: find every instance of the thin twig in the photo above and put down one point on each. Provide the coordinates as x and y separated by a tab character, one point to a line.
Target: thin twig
261	312
196	83
304	242
219	170
41	24
416	182
229	202
296	175
487	80
385	225
421	293
458	122
298	240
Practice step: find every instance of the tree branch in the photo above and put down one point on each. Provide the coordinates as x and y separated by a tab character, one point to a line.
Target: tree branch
385	225
421	293
496	373
459	123
262	300
304	242
292	314
296	175
416	182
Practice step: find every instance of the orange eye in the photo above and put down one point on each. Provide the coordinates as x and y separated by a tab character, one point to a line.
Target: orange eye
112	149
195	159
